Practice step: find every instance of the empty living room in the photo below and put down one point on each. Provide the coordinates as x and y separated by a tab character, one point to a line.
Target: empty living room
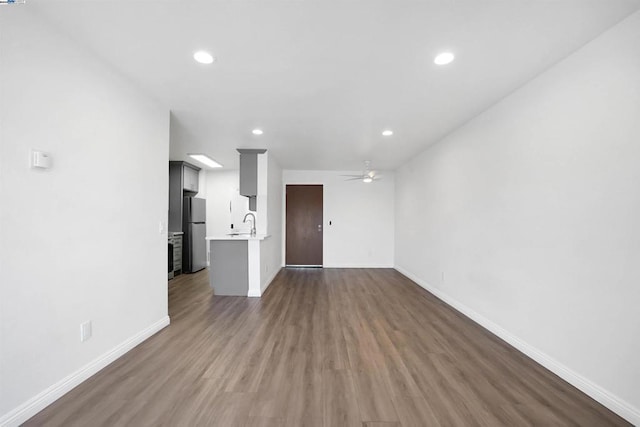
319	213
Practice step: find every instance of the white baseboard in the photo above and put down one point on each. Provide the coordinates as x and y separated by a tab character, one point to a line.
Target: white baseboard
357	266
606	398
45	398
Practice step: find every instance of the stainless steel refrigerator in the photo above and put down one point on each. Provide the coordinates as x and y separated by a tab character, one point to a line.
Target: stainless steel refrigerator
194	248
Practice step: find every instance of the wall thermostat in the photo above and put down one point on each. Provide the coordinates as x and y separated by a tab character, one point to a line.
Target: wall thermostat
40	159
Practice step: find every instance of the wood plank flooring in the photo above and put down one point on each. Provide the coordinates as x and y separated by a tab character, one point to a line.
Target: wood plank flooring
328	347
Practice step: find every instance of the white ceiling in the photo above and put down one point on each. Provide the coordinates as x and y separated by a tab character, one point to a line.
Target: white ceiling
324	78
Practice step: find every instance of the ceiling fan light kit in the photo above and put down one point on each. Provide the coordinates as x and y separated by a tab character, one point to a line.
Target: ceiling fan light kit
367	176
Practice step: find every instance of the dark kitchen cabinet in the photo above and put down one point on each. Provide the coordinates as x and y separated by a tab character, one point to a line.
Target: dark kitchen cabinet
189	178
183	181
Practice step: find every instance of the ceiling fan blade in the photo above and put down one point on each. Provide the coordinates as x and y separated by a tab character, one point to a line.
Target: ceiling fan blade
354	179
353	176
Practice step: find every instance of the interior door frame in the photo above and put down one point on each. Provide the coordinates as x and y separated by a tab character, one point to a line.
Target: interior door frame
284	231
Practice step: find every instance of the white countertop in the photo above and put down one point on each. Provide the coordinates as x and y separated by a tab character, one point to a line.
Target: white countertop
239	237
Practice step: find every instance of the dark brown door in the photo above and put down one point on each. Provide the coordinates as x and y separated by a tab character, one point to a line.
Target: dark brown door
304	225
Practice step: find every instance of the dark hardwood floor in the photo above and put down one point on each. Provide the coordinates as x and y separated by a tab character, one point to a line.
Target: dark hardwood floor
322	348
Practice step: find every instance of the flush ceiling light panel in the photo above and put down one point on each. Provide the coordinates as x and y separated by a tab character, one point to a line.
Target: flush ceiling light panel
203	57
444	58
257	132
205	160
387	132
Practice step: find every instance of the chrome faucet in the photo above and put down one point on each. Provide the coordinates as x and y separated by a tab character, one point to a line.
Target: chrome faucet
253	223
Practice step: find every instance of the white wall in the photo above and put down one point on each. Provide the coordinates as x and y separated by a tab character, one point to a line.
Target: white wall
81	240
262	199
225	205
531	211
362	217
271	248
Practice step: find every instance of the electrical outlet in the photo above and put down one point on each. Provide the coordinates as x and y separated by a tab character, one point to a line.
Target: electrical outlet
85	331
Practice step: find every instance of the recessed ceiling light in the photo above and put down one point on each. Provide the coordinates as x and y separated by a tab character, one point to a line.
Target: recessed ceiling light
257	132
387	132
203	57
444	58
205	160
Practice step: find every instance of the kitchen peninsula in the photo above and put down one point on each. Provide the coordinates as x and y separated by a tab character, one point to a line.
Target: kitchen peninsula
235	266
244	263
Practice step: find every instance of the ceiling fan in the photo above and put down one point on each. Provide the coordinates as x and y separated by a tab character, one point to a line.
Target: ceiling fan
367	175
